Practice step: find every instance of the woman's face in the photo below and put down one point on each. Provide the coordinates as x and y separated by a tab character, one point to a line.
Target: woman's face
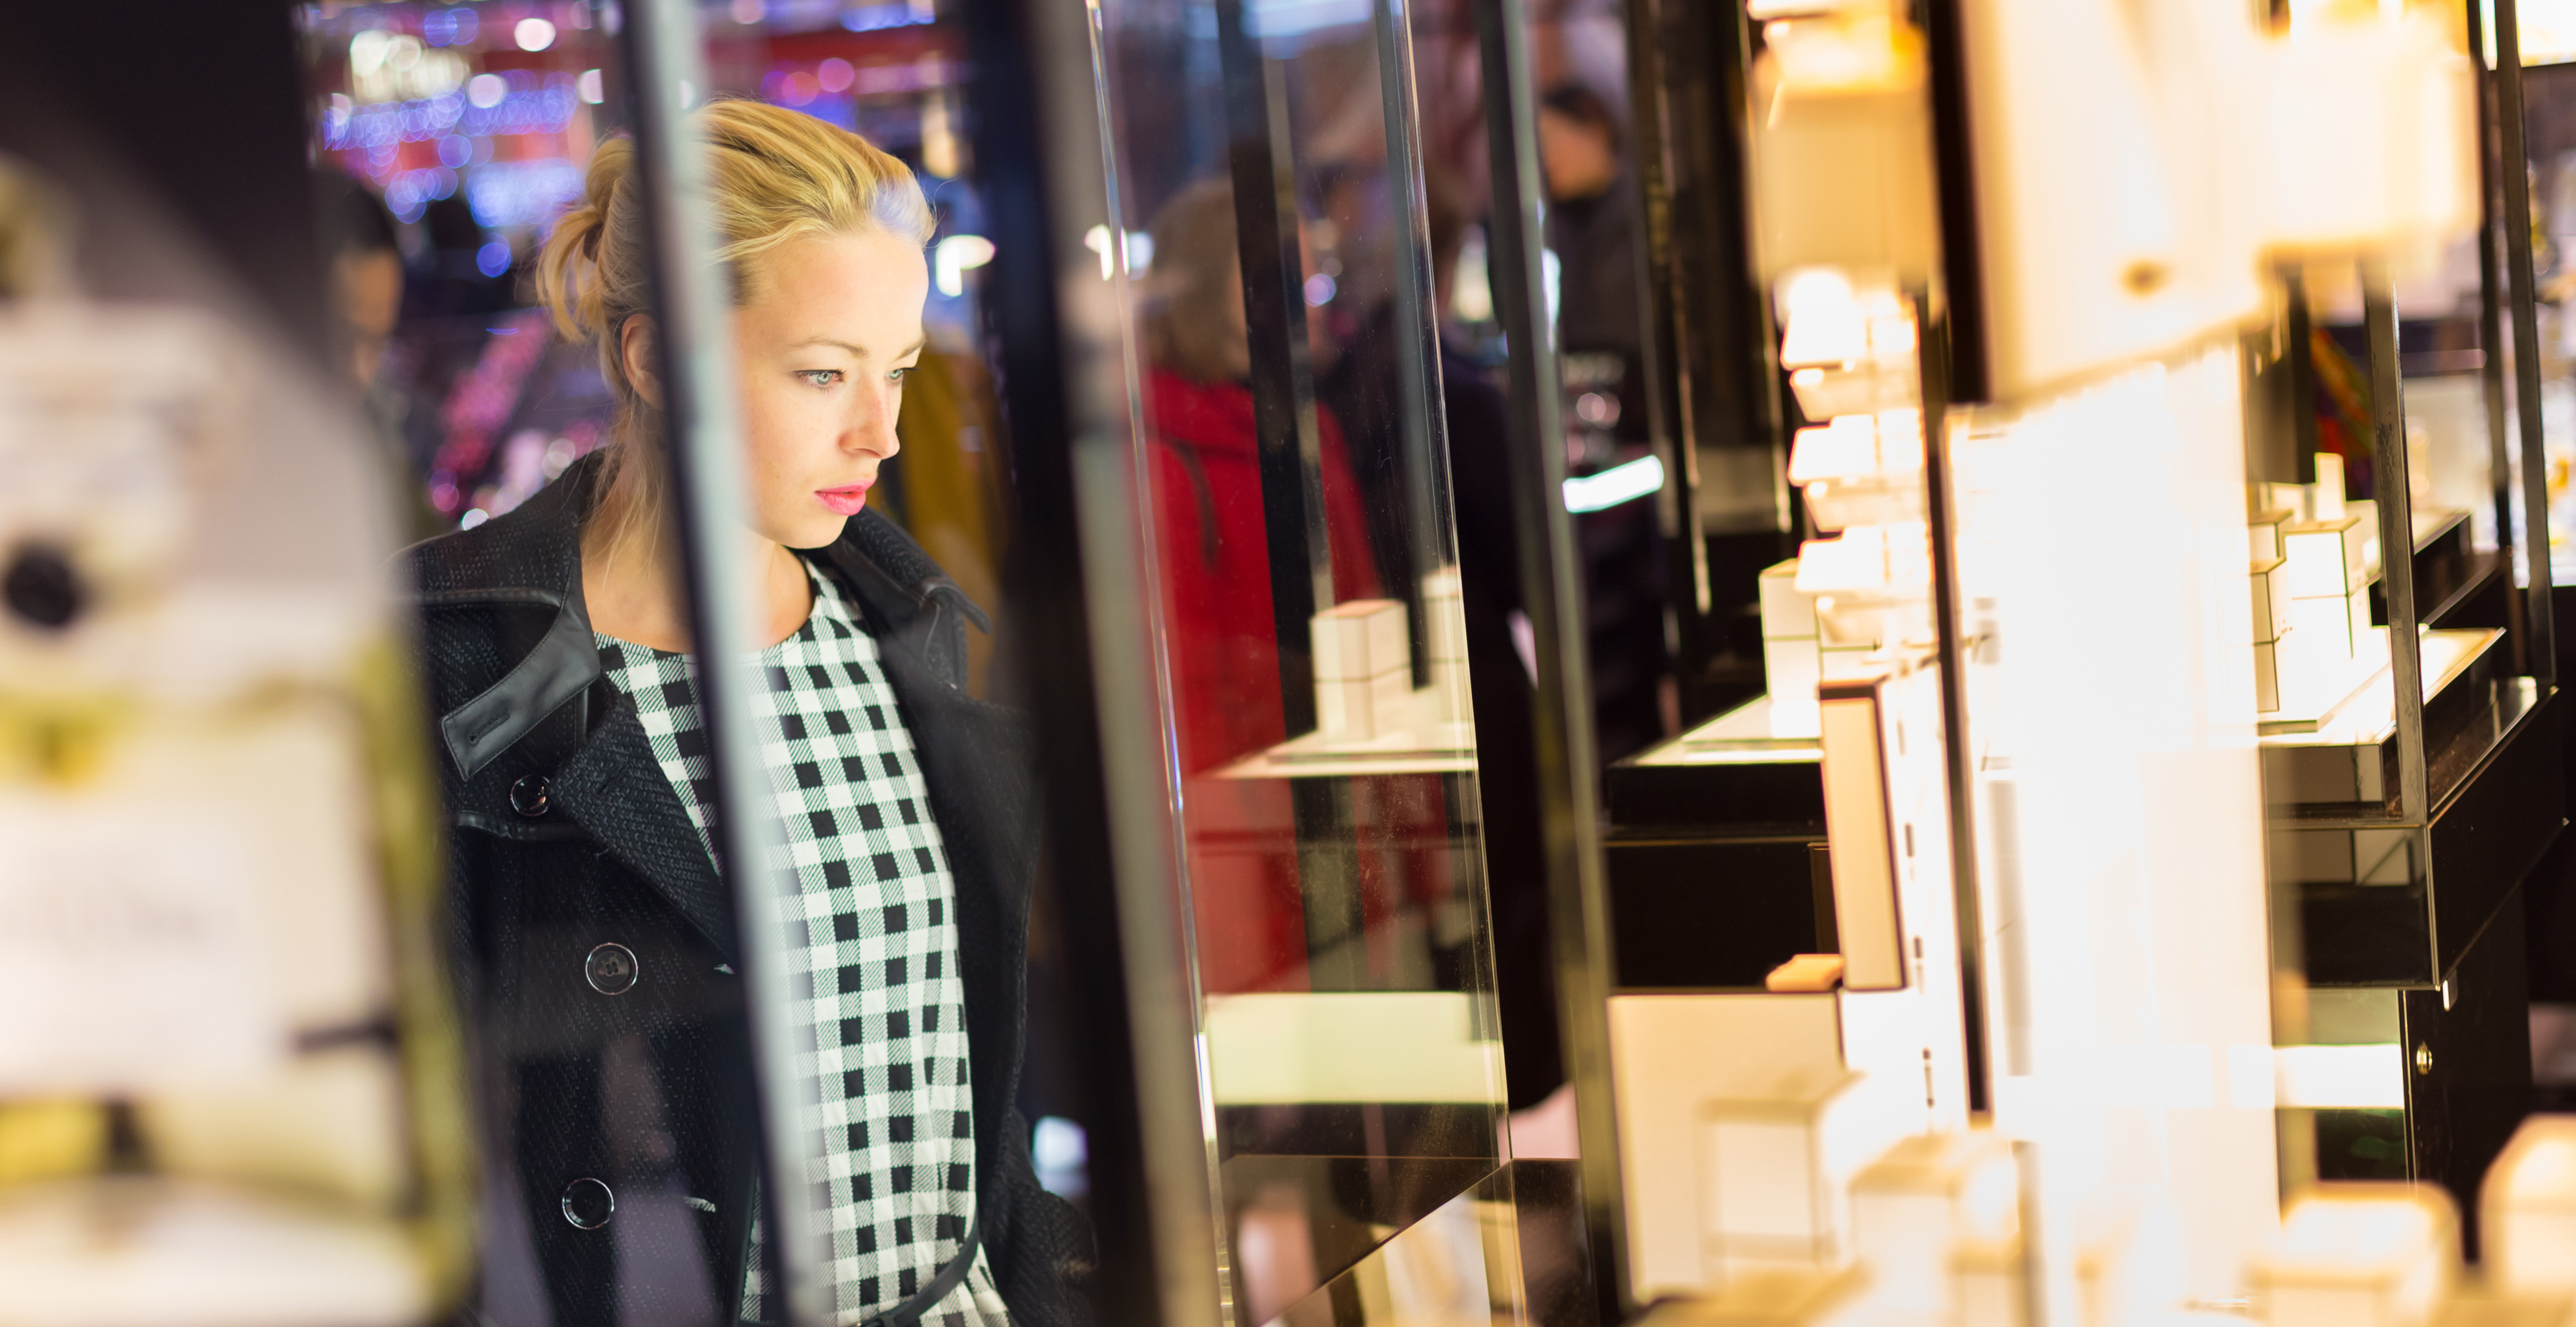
824	350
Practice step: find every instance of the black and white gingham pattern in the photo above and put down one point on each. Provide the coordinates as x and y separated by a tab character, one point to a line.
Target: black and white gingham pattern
875	949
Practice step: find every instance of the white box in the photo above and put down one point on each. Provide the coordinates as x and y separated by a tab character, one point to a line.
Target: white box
1444	613
2326	557
2529	1206
1662	1068
1360	639
1791	669
1916	1205
2330	627
1364	709
1776	1167
2363	1255
1787	614
2267	677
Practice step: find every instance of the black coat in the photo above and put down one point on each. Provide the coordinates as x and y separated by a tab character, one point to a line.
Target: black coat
566	836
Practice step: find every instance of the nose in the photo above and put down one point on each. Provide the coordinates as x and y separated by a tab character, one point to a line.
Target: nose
872	431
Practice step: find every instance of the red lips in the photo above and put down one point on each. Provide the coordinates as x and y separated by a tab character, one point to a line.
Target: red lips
847	499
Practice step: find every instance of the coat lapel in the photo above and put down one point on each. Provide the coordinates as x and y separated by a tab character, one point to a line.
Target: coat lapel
615	789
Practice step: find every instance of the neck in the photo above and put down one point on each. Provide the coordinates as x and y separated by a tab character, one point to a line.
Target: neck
632	582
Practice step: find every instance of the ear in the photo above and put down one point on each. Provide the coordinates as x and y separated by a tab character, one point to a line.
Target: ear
637	354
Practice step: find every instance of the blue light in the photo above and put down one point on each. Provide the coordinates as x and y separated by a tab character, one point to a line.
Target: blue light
522	193
455	151
492	259
873	18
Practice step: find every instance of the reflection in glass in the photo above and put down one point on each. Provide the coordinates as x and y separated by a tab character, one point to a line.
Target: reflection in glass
1312	623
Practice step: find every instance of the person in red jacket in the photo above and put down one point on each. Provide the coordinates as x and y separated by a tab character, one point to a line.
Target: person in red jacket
1217	626
1206	482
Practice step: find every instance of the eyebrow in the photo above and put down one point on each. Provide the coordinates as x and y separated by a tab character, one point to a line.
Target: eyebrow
855	351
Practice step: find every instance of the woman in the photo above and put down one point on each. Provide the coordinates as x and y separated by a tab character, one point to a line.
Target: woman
595	934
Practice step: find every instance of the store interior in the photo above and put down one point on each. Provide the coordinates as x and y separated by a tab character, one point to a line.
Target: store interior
1643	661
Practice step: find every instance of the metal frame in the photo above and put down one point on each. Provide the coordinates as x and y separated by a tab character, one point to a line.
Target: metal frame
1041	134
1552	595
2541	658
2396	509
693	347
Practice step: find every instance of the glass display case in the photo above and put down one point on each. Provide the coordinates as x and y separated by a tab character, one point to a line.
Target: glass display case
1276	468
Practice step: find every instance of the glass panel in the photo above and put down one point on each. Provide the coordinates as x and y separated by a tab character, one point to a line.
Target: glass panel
1311	621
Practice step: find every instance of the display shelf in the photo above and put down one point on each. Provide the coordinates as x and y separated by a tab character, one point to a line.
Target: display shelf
1432	745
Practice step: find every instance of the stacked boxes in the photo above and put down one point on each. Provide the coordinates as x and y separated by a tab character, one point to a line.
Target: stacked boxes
1444	618
2326	578
2270	573
2363	1255
1777	1166
1791	666
1923	1204
1363	671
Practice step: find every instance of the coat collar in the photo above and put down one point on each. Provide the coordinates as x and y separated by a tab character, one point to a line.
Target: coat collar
611	784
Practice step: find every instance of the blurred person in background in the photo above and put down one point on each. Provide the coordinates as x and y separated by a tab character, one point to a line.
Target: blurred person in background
1206	466
367	279
1592	228
596	943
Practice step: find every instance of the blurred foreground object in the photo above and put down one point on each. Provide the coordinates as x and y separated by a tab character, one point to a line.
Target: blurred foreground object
229	1079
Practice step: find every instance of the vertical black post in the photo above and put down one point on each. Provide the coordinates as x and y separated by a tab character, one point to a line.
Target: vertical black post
1261	156
1074	613
693	349
2541	649
1425	417
1950	627
1954	154
2393	501
2491	299
1552	593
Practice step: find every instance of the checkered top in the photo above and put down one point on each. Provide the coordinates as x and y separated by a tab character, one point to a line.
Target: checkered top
874	945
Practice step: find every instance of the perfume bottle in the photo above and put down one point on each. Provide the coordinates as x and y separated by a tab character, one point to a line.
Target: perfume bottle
230	1078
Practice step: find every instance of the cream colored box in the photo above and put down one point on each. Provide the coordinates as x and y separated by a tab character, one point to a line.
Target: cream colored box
1363	709
2267	677
1360	639
2271	598
1444	613
2325	557
1913	1209
2363	1255
1776	1168
2336	626
2529	1206
1790	670
1787	614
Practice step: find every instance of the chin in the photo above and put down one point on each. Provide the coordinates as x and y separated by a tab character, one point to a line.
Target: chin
805	532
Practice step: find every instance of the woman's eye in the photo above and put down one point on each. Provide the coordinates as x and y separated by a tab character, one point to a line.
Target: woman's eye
821	377
900	374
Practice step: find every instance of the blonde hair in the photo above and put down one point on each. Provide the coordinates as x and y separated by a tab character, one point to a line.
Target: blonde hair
777	175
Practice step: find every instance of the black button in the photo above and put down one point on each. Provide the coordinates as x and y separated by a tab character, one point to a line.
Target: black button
588	1204
611	969
531	796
